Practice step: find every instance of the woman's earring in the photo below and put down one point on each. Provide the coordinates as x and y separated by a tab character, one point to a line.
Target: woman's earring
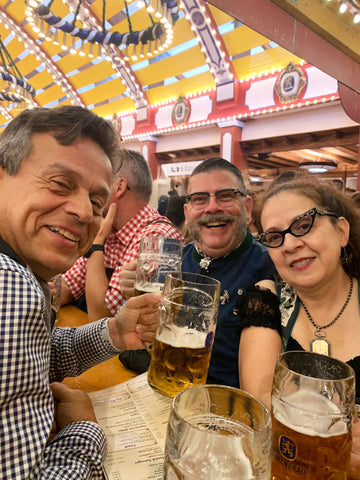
346	259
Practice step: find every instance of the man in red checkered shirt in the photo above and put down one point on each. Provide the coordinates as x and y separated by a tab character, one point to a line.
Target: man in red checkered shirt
128	218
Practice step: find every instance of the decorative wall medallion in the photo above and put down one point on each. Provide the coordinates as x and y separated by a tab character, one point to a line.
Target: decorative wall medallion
198	18
290	84
181	111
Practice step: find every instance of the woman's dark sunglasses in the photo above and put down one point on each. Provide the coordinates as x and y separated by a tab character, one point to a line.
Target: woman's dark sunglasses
299	227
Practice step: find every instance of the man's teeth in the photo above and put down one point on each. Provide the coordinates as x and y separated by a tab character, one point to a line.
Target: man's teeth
301	262
216	224
65	234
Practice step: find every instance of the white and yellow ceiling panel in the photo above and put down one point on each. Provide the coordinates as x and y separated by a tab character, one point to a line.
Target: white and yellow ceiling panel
60	77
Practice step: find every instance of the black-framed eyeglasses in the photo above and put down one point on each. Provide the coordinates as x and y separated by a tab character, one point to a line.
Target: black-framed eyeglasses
224	198
298	228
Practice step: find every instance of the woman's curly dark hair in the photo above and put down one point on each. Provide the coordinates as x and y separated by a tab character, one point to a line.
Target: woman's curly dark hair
329	198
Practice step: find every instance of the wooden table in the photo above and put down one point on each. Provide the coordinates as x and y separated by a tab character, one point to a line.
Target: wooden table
106	374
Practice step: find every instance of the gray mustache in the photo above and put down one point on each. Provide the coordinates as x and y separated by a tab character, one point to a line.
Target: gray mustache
215	218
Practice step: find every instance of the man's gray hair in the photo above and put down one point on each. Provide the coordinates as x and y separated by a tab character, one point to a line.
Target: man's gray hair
66	124
133	166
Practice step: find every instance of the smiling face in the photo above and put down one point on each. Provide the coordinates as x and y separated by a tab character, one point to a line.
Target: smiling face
51	209
313	259
217	231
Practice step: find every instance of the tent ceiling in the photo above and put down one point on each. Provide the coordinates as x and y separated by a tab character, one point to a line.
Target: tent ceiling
60	77
181	69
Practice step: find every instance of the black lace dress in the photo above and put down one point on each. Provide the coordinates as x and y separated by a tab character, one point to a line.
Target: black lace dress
260	307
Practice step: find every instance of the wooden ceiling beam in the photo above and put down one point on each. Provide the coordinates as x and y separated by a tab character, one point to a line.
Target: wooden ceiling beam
327	138
273	161
192	154
350	152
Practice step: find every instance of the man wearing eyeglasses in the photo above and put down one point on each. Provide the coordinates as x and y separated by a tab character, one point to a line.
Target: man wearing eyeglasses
217	211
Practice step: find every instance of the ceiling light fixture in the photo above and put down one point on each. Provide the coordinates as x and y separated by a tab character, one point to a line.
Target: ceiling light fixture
343	7
318	166
352	6
80	36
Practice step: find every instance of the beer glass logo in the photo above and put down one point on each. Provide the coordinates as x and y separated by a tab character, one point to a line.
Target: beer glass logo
287	448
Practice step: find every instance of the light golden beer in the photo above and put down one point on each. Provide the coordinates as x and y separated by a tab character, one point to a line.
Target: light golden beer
140	289
298	453
182	348
174	368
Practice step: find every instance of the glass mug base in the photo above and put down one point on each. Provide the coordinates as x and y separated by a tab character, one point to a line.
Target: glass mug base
174	369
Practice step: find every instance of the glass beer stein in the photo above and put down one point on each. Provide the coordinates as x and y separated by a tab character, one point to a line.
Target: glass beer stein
157	256
184	338
313	401
217	433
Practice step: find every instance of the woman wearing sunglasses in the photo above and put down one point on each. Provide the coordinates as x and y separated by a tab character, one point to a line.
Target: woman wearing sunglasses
313	234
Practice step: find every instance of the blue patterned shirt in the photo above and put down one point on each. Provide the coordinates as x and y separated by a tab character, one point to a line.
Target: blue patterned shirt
32	355
246	265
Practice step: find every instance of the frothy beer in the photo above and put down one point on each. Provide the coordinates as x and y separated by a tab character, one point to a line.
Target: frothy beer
141	288
179	360
228	455
310	439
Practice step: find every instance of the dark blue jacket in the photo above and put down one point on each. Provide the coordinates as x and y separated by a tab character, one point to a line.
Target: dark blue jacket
246	265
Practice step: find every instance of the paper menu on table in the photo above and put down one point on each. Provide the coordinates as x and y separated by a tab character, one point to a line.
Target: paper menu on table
134	418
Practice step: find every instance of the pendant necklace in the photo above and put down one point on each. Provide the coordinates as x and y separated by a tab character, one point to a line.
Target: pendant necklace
319	344
206	261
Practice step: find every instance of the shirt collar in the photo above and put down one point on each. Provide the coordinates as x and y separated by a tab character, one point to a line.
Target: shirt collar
141	218
244	245
7	250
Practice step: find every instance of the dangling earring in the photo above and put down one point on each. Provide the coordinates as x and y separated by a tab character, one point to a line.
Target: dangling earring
346	259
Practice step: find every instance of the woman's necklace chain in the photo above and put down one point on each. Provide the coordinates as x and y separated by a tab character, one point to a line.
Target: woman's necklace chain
319	344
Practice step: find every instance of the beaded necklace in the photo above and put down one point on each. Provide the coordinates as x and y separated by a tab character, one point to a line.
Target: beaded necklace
319	344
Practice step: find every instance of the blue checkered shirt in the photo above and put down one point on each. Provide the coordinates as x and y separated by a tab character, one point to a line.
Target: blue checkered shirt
32	356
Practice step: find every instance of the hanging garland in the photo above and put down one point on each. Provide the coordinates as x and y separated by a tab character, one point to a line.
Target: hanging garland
152	33
14	88
17	82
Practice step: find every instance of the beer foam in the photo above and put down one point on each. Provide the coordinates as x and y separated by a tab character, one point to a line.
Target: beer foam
215	424
215	455
310	413
182	337
149	287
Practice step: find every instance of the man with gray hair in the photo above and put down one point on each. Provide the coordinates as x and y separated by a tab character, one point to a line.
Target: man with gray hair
129	216
56	172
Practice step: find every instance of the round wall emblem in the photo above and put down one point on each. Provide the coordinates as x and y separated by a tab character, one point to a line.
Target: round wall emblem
290	84
198	18
181	111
